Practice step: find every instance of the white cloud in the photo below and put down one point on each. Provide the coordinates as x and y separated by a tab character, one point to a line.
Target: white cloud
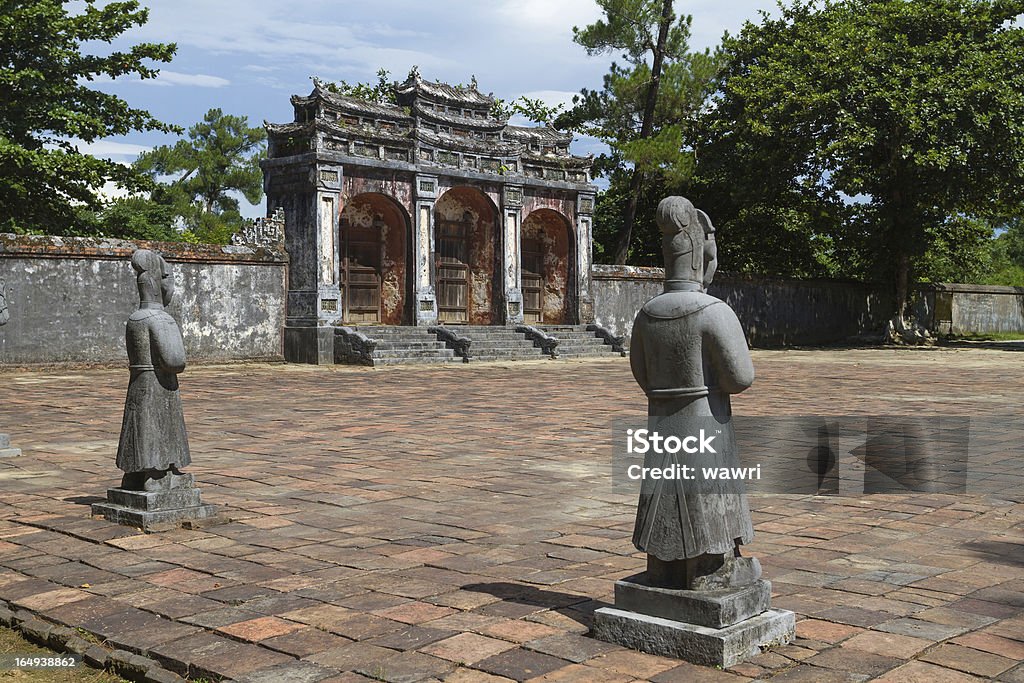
167	78
109	149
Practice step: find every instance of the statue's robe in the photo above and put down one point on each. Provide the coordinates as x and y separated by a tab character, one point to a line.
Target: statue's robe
688	353
153	433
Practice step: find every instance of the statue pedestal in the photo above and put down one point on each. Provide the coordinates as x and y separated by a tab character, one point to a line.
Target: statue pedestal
150	509
713	628
5	448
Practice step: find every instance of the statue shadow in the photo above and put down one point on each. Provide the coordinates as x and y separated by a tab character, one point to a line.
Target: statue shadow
999	552
579	608
85	500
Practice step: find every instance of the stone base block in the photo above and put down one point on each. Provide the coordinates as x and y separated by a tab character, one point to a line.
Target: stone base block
698	644
153	509
155	500
713	609
5	448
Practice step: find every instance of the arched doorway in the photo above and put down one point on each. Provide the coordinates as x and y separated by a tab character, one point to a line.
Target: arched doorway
374	272
545	252
464	257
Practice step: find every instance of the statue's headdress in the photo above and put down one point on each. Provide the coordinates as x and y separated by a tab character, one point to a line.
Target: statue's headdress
151	272
682	239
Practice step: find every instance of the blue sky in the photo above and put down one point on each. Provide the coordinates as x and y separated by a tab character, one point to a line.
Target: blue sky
248	57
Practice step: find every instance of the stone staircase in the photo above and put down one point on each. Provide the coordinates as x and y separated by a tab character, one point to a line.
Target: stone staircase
405	345
576	341
495	342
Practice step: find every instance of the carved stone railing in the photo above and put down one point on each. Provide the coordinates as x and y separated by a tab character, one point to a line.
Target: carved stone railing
545	342
618	343
352	346
453	340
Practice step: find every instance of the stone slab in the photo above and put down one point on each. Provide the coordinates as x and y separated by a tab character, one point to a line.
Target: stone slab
5	440
698	644
150	519
154	500
10	452
714	609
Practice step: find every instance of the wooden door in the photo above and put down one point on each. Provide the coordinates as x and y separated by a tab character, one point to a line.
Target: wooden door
362	248
533	281
452	251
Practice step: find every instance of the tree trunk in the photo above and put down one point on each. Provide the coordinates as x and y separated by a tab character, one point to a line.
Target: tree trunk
646	127
902	292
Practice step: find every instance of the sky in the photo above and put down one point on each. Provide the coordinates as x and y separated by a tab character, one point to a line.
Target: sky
247	57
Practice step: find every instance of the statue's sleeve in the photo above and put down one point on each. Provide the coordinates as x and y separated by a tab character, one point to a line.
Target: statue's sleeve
637	355
730	357
168	346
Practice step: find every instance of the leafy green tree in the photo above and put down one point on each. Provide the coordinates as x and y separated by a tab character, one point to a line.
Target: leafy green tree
871	126
47	106
646	107
220	156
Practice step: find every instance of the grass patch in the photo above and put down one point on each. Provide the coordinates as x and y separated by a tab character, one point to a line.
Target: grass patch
11	643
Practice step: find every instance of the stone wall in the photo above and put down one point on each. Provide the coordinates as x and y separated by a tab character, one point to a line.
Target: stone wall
971	309
773	312
68	299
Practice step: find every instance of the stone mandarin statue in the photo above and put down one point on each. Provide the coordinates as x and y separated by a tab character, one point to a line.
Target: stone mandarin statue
698	600
154	492
689	353
154	445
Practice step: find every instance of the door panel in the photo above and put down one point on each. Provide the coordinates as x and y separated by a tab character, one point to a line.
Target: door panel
533	281
362	274
452	271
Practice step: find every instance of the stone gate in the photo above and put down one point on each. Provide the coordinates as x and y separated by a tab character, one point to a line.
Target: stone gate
431	211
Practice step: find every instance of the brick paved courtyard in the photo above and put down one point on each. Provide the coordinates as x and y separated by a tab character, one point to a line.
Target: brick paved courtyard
459	524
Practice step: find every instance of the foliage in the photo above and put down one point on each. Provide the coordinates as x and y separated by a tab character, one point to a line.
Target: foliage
381	92
47	107
220	156
1006	256
646	108
865	131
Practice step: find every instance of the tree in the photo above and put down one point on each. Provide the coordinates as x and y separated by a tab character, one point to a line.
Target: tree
220	156
881	128
645	110
47	108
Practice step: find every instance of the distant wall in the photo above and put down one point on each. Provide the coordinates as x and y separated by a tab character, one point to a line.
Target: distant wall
773	312
972	309
68	299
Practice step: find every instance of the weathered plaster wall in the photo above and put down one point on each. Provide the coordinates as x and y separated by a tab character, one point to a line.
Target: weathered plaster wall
552	232
69	298
972	309
773	312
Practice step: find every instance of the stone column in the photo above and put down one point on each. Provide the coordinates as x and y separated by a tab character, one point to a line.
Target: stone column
328	244
511	261
425	191
584	256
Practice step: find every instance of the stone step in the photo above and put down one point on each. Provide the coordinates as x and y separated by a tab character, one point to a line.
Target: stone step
413	353
404	344
397	360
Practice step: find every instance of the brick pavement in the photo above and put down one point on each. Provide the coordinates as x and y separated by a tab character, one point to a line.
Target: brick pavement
459	524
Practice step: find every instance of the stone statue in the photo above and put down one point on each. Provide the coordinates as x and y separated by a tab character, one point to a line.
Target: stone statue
153	446
699	599
154	492
4	313
688	353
